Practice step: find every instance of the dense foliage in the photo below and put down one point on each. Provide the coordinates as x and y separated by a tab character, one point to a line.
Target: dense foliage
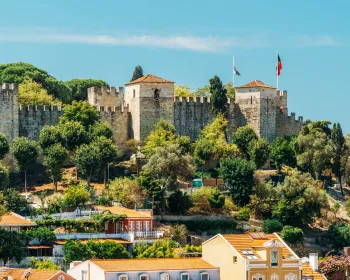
11	245
335	267
292	234
4	146
138	73
159	249
45	263
218	95
271	226
79	87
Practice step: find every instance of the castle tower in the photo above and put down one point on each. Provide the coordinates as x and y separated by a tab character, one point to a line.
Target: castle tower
9	111
257	102
150	99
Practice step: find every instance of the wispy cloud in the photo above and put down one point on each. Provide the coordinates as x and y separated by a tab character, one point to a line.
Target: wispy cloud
185	42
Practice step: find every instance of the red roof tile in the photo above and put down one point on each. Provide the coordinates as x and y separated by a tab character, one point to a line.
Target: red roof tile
256	83
149	78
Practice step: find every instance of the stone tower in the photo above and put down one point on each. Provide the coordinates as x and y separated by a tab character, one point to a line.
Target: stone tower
150	99
257	102
9	111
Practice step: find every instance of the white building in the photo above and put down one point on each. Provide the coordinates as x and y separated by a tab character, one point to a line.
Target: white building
144	269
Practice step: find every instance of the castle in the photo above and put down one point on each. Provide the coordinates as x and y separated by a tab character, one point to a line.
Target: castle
133	113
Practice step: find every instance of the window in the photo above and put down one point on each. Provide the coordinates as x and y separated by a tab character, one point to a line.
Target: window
123	277
138	226
121	226
234	259
164	276
132	226
61	277
144	277
133	93
250	255
274	258
156	93
84	275
290	276
291	257
204	276
258	277
274	277
146	225
184	276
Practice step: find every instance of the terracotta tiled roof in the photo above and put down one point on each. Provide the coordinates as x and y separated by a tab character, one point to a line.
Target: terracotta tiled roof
122	210
149	78
246	242
308	271
152	264
255	83
13	219
37	274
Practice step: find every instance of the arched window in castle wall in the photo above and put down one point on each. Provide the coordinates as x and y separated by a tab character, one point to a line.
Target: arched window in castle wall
156	93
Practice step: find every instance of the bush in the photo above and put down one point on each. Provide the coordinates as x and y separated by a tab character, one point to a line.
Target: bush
179	202
243	214
339	235
193	249
292	235
178	232
159	249
270	226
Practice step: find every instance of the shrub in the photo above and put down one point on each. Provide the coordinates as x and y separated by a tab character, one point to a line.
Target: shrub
243	214
179	202
178	232
193	249
159	249
339	235
208	226
270	226
292	234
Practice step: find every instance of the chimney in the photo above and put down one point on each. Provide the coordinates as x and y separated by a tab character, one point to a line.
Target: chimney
313	260
347	251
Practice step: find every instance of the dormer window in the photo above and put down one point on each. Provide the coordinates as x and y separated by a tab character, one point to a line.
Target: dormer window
274	258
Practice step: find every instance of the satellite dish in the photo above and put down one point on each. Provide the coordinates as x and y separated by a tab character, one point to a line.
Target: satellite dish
26	274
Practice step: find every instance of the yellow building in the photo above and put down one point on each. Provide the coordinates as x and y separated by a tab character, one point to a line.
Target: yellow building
252	256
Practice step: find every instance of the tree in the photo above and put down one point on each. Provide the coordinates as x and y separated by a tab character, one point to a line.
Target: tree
204	91
292	235
79	87
159	249
13	201
259	152
76	195
4	146
271	226
11	245
4	176
314	148
44	235
231	92
168	164
238	175
202	152
87	160
282	153
163	134
107	154
178	232
100	129
81	112
33	93
45	263
179	202
338	235
218	96
182	90
19	71
301	199
335	267
54	158
243	138
138	73
339	147
49	135
75	250
127	191
26	153
73	135
217	200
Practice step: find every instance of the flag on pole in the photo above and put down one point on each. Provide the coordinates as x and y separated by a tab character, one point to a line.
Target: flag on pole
236	71
279	65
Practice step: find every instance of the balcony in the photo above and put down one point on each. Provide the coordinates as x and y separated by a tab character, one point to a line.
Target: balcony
148	234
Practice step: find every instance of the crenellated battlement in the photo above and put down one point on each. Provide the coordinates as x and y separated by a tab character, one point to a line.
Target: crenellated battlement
40	108
105	96
7	86
197	99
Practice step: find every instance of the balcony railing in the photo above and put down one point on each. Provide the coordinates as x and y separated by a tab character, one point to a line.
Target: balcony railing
149	234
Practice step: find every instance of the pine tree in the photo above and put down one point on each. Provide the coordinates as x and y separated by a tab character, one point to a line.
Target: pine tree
339	146
218	95
138	73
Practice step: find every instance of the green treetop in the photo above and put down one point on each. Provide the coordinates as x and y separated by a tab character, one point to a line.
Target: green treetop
79	87
218	96
138	73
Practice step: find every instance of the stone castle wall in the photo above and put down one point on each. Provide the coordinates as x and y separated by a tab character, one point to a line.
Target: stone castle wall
9	118
287	125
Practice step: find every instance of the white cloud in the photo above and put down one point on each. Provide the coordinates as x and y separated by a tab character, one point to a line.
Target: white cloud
185	42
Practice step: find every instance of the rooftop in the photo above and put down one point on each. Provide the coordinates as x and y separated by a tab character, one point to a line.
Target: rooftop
152	264
119	210
308	271
37	274
149	78
249	241
13	219
254	84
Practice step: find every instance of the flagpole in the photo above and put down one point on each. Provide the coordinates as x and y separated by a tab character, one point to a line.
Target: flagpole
233	70
277	67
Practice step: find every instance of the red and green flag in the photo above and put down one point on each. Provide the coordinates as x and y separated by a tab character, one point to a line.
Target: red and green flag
279	65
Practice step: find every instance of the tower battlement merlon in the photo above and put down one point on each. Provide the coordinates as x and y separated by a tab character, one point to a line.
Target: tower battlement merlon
39	108
105	96
8	86
192	99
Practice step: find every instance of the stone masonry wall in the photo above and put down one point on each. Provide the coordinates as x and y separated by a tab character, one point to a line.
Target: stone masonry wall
287	125
9	111
33	118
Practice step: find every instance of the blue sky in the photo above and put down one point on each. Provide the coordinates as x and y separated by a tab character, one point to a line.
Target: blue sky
189	42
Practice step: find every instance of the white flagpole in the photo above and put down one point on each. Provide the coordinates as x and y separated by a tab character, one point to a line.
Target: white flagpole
233	70
277	67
